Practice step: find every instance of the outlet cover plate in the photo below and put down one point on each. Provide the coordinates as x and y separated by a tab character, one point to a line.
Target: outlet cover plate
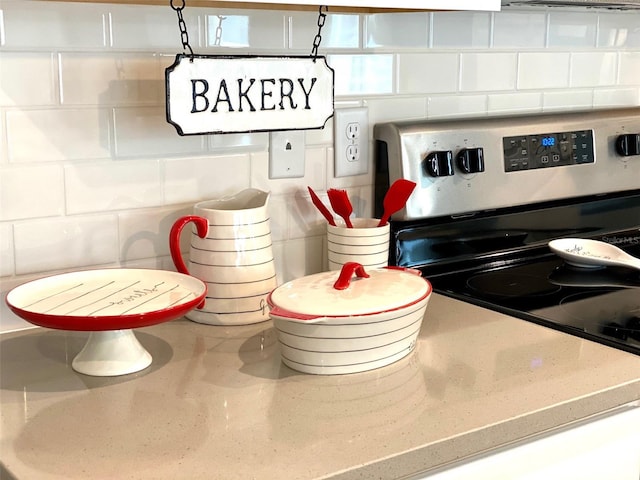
351	141
286	154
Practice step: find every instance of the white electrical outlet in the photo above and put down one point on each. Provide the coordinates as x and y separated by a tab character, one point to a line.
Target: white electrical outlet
286	154
351	141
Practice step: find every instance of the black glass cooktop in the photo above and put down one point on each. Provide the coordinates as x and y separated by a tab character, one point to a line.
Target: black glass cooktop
502	261
602	305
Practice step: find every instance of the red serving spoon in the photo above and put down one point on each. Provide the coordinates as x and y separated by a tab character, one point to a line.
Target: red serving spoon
321	207
396	198
340	203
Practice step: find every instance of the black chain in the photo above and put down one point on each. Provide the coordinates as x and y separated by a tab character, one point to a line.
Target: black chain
322	17
184	35
218	39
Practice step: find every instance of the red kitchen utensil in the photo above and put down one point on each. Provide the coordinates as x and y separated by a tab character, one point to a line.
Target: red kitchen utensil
396	198
321	207
340	203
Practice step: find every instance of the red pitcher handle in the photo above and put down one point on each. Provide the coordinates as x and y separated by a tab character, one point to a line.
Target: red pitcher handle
202	226
346	274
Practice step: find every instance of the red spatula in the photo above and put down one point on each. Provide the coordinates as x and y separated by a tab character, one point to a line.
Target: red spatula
321	207
341	205
396	198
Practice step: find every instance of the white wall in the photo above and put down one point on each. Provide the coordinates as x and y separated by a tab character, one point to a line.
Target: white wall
92	175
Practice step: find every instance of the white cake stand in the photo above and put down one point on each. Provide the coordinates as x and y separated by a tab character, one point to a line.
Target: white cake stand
109	303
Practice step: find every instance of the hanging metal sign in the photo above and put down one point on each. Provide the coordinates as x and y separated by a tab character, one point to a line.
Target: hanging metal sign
235	94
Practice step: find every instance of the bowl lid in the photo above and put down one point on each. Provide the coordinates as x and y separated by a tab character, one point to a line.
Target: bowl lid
349	293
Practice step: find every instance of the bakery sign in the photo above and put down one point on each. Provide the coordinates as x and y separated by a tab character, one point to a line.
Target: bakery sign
235	94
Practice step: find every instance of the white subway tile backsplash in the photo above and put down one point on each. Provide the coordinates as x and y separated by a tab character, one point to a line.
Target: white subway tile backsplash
521	29
278	217
339	31
297	258
27	79
151	27
304	218
62	243
143	233
144	132
204	178
616	97
446	106
461	29
572	29
428	72
315	174
619	29
398	30
112	185
629	68
509	103
238	141
52	25
362	74
6	250
3	142
83	127
364	201
106	79
389	109
57	135
488	71
561	100
542	70
17	187
156	263
320	136
593	69
253	29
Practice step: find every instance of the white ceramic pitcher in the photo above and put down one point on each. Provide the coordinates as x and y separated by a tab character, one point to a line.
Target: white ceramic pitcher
231	252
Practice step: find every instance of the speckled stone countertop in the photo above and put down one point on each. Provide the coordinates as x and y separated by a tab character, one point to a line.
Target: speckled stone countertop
217	403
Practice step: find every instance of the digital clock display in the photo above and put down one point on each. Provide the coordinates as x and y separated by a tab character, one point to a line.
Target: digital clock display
548	141
544	150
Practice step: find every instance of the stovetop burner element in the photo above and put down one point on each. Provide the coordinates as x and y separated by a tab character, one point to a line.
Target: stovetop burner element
512	285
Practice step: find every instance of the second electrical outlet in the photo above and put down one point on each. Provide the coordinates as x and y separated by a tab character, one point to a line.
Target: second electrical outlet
351	141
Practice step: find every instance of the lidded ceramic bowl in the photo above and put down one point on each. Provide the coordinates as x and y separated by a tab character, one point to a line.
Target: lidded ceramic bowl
351	321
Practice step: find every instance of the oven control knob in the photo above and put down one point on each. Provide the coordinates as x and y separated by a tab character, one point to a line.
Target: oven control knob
439	164
628	144
471	160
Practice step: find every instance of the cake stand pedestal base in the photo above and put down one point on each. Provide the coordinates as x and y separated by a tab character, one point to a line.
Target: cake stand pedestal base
110	353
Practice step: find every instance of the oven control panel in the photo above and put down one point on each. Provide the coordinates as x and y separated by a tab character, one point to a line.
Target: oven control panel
466	166
526	152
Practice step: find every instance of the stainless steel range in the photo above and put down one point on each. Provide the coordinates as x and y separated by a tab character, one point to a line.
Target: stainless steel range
492	192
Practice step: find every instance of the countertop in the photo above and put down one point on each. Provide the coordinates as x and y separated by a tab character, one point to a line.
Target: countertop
218	403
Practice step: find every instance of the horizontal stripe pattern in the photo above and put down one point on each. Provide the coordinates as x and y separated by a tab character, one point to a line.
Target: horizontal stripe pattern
367	246
354	366
349	344
108	293
235	260
124	300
